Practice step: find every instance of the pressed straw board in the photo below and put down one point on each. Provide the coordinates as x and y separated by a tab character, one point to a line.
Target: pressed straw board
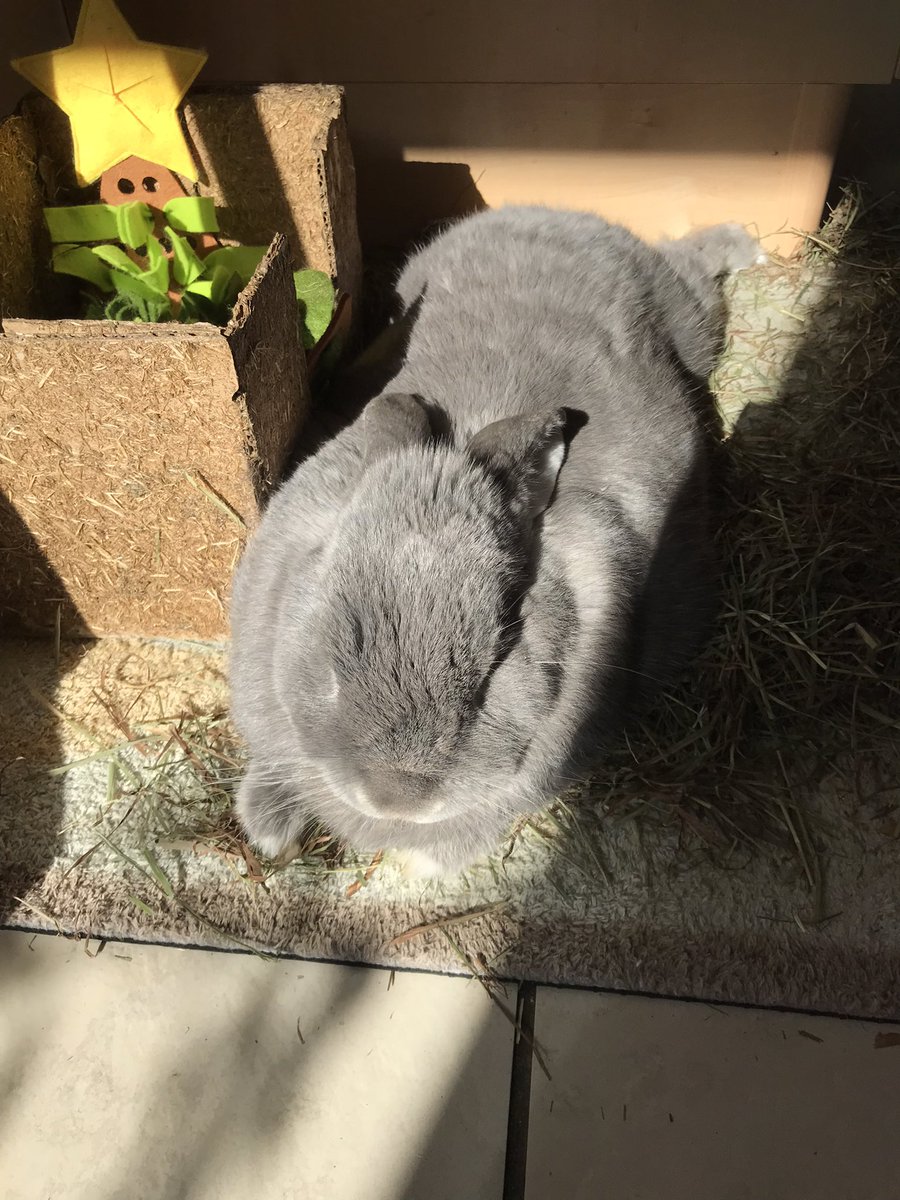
134	458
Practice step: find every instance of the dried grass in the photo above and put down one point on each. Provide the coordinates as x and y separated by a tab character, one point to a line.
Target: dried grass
177	790
803	675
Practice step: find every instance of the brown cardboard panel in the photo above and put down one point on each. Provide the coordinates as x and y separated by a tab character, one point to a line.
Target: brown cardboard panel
125	464
136	457
661	159
535	41
21	220
277	160
273	385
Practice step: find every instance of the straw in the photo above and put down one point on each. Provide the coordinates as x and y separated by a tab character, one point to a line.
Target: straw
802	677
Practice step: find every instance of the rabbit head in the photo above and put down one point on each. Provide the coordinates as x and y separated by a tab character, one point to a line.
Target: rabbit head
418	669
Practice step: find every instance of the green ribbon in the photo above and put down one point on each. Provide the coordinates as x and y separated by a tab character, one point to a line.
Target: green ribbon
209	286
81	262
186	265
315	297
129	223
192	214
241	261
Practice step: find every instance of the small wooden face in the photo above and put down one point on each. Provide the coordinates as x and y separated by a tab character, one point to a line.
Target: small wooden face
137	179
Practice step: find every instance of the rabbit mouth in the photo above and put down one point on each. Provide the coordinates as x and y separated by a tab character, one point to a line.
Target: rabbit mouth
387	809
430	818
432	815
356	797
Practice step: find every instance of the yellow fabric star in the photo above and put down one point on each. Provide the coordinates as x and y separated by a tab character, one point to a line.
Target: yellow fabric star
121	94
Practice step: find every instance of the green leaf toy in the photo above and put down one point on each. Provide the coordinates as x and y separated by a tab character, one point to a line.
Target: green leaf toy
158	259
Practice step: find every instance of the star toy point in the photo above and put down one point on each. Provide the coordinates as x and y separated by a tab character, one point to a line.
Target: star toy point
120	94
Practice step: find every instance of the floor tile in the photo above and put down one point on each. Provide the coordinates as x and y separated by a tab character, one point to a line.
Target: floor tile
155	1072
661	1100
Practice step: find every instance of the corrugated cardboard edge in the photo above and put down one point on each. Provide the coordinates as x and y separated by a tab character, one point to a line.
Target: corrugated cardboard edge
338	174
273	389
21	223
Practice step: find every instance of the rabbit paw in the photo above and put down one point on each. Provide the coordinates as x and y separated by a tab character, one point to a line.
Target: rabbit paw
267	817
415	864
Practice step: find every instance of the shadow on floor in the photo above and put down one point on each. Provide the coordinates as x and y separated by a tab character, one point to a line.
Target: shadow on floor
240	1076
32	597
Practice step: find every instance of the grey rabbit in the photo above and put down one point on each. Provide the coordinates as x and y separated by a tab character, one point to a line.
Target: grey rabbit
451	607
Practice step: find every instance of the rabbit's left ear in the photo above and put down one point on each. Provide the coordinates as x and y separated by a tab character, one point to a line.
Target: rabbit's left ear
526	453
392	422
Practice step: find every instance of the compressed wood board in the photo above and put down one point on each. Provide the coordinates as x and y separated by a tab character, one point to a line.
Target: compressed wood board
134	459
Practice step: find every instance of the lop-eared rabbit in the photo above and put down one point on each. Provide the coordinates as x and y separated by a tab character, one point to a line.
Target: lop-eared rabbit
450	608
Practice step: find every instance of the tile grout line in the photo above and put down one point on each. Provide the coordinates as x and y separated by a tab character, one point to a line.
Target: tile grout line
520	1095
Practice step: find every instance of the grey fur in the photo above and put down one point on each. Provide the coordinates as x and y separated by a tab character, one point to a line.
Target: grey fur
439	622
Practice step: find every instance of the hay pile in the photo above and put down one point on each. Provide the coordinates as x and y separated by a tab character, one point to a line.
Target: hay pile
801	679
802	676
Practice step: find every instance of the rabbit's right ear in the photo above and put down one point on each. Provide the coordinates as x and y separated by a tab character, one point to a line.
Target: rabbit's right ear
526	452
392	422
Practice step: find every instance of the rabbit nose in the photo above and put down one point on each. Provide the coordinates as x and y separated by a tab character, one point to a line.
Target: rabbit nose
401	794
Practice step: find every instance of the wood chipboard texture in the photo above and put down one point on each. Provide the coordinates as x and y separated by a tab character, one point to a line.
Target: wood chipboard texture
21	223
134	459
277	160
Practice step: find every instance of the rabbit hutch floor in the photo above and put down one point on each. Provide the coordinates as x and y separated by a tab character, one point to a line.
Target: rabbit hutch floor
743	846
